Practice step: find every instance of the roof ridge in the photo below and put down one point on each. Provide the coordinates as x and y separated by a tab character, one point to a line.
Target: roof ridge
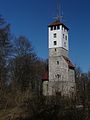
69	62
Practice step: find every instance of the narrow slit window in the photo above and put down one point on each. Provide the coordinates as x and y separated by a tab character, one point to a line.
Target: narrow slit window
55	49
65	37
55	42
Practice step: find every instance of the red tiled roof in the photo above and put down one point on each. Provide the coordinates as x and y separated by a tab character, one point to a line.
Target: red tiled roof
45	76
55	23
69	62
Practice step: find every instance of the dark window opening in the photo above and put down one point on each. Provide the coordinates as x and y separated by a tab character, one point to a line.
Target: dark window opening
51	28
55	42
65	37
58	76
58	27
54	35
55	49
57	62
54	27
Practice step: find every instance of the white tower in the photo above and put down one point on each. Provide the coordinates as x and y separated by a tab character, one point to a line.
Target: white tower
58	37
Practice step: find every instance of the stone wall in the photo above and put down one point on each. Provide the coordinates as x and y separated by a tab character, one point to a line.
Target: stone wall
58	74
57	52
61	77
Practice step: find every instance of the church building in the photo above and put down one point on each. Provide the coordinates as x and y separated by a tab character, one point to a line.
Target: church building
61	72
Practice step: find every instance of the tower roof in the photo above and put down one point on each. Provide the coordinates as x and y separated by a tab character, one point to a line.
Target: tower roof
45	76
70	64
56	23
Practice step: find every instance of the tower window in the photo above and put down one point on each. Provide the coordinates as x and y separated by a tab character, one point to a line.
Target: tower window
54	35
57	62
64	44
55	49
55	42
57	76
54	27
51	28
65	37
58	27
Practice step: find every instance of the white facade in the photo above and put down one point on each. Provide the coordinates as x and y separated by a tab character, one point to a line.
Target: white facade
60	36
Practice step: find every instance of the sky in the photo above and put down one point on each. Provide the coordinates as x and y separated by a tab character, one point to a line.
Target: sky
30	18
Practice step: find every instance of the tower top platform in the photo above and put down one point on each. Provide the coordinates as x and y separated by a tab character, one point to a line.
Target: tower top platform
56	23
